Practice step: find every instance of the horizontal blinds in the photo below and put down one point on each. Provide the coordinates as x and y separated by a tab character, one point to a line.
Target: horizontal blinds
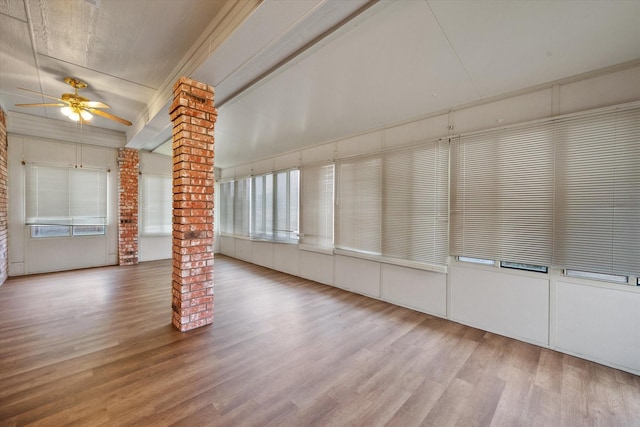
316	206
47	194
502	189
156	204
359	204
240	212
65	196
415	204
227	190
598	193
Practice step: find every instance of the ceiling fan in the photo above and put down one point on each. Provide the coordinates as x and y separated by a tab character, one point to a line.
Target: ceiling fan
76	107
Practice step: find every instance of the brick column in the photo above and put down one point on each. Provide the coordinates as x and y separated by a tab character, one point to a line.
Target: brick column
193	115
4	248
127	206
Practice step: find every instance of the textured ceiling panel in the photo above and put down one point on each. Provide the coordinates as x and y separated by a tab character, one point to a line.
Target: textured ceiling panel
14	9
507	46
141	42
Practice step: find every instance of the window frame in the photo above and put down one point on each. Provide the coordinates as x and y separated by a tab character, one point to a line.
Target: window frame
67	218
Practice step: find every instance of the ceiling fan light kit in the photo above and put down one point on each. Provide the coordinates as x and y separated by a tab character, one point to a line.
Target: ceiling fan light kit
76	113
76	107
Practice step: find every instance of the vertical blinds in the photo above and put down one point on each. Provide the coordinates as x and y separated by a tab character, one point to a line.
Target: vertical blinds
395	204
598	193
502	195
316	206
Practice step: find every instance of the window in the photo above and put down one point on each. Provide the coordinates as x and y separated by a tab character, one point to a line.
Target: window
524	267
64	201
234	207
597	215
316	214
227	191
241	192
615	278
476	260
563	192
415	214
359	205
502	187
395	205
275	205
156	204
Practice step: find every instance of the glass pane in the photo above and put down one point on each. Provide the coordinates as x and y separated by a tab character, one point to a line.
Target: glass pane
597	276
38	231
476	260
88	230
525	267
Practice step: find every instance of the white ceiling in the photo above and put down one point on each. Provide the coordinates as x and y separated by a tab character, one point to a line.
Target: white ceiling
294	73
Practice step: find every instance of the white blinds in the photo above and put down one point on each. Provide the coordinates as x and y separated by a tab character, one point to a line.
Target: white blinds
262	207
598	193
65	196
502	195
415	204
359	204
395	204
240	212
156	200
316	208
234	207
227	190
564	192
275	205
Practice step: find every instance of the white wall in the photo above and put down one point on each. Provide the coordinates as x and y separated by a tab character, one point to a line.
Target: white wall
154	247
589	319
27	255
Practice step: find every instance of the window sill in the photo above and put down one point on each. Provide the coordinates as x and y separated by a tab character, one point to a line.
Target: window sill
393	261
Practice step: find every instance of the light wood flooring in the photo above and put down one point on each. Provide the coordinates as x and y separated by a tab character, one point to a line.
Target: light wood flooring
95	347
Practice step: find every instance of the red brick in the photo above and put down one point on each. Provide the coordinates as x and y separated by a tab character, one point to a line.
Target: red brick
193	115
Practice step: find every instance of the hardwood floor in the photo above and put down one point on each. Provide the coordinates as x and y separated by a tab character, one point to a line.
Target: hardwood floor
96	347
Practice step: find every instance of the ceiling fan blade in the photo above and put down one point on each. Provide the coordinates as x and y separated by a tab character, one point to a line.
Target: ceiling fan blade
40	105
95	104
39	93
109	116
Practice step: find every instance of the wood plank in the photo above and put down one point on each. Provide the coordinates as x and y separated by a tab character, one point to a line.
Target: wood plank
96	347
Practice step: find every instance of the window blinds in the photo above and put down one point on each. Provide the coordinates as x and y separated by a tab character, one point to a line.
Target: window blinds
275	205
227	190
234	207
65	196
262	207
395	205
502	195
565	192
156	204
316	207
415	204
359	204
241	190
598	193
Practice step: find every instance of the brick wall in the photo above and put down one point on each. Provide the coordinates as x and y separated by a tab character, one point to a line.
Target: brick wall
128	163
4	258
193	115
